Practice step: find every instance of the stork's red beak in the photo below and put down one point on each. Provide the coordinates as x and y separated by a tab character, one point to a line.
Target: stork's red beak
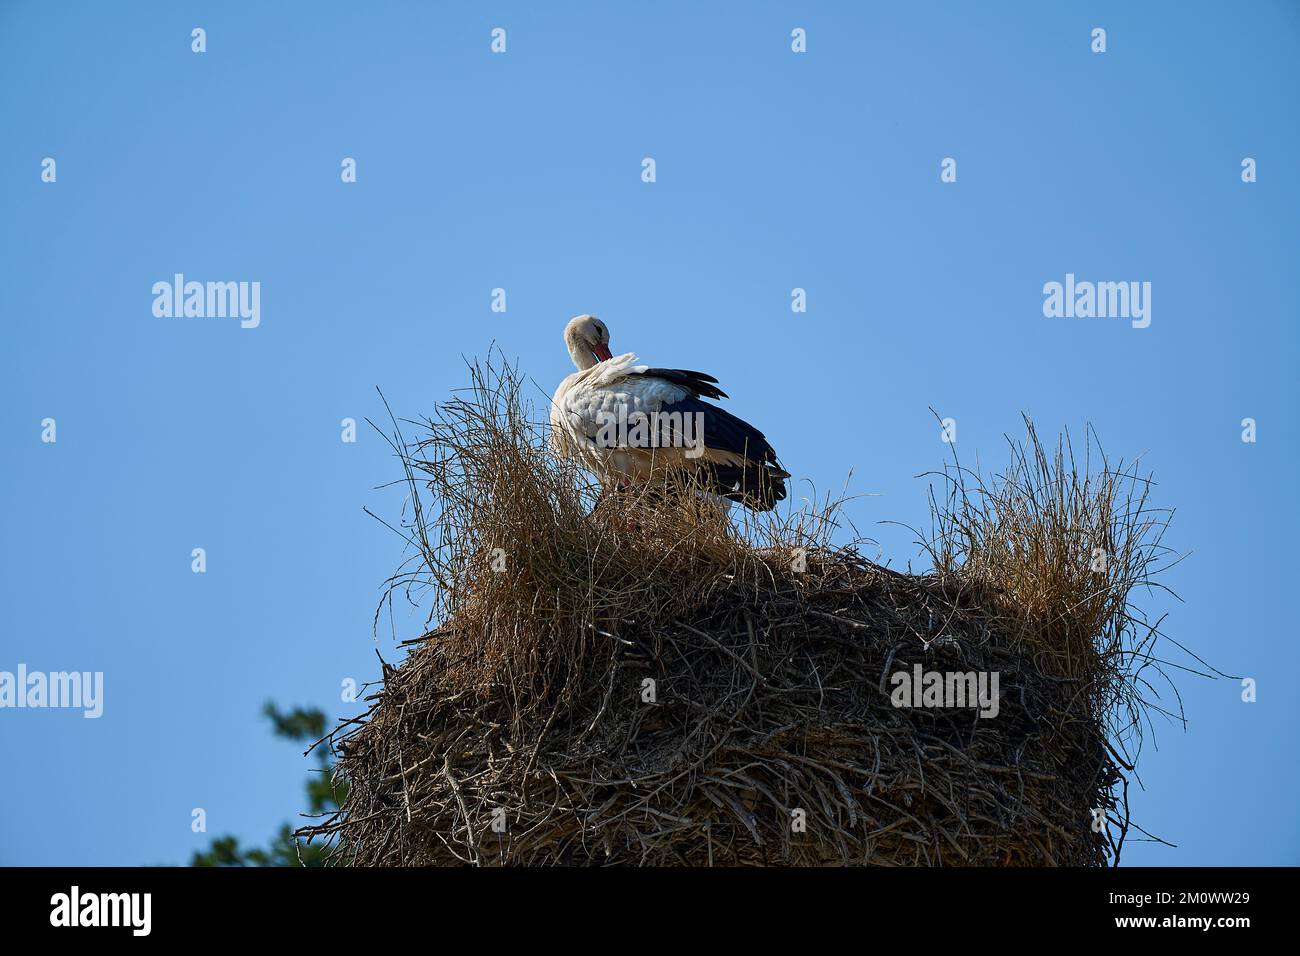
602	352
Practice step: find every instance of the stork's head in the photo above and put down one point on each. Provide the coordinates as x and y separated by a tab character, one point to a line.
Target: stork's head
588	341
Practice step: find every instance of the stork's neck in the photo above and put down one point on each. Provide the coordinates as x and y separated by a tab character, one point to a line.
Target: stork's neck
580	353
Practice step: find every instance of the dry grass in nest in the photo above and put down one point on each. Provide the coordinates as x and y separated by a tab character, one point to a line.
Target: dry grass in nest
521	730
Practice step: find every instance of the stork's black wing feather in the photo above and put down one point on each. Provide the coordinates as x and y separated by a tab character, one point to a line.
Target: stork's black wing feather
697	383
723	430
760	483
754	487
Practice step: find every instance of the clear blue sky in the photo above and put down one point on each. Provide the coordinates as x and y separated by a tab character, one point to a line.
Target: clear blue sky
523	171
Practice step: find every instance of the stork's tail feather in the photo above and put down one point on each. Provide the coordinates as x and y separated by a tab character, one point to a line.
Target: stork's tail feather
756	486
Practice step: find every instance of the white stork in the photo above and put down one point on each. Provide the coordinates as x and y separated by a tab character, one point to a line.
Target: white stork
631	422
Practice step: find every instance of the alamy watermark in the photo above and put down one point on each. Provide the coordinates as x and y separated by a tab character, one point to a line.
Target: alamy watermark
75	908
624	429
1102	300
82	690
209	300
922	688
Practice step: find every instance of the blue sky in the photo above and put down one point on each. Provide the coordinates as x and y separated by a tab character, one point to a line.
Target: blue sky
522	171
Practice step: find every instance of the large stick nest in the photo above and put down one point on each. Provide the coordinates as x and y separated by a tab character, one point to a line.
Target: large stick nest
639	679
